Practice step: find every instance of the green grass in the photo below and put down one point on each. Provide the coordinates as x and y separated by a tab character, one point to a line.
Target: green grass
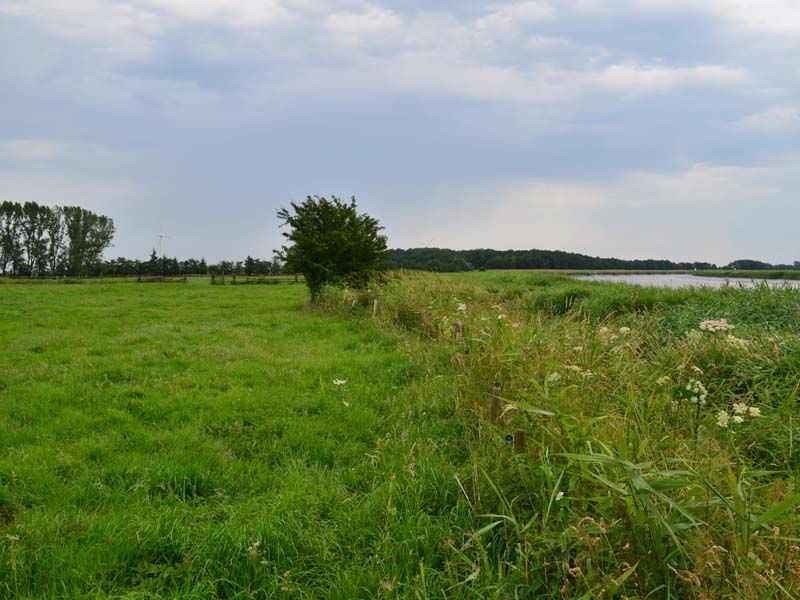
627	487
188	441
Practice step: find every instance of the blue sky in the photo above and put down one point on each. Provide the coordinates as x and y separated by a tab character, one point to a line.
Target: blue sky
629	128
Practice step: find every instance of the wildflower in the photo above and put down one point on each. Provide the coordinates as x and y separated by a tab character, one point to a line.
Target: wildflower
587	374
697	370
624	330
740	408
339	381
12	538
694	336
662	381
575	368
738	419
697	391
578	348
738	343
500	317
714	325
754	411
461	307
515	325
553	377
559	496
603	331
723	418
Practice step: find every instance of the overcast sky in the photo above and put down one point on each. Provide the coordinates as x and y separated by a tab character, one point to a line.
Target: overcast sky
628	128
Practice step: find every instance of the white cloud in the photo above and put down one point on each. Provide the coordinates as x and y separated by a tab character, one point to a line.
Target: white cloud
778	119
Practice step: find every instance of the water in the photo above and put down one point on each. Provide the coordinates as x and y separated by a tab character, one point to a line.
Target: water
683	280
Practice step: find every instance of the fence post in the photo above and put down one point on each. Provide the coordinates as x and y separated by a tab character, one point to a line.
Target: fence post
494	403
213	279
519	441
223	278
375	307
185	279
233	280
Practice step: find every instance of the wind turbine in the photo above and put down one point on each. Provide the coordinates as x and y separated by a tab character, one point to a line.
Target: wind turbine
161	238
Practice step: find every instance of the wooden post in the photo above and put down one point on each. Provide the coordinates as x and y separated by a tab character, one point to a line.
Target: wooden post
233	281
494	404
213	279
375	308
295	277
185	279
223	278
458	330
519	441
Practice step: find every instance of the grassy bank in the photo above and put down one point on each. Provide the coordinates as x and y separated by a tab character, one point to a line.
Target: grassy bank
190	442
659	432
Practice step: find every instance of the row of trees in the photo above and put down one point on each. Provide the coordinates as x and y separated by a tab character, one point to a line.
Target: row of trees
38	240
445	260
172	267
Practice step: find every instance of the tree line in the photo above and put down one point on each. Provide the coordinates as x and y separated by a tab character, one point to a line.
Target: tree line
172	267
445	260
37	240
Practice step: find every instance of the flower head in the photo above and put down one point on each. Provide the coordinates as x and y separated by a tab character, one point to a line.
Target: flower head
713	325
723	418
339	381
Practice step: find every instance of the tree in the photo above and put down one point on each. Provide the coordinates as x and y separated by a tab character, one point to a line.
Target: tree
332	243
89	234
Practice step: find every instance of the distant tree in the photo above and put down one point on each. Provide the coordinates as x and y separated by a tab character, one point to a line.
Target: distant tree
89	235
331	243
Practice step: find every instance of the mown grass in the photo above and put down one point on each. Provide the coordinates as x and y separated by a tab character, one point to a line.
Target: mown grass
188	442
635	481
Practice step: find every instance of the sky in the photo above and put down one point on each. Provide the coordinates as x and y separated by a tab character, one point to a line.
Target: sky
626	128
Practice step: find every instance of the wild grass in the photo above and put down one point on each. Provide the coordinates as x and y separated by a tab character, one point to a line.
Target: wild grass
170	441
661	458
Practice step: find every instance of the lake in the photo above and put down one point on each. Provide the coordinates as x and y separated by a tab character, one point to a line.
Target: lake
682	280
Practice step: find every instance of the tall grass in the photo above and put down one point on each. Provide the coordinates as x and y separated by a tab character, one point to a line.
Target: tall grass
661	459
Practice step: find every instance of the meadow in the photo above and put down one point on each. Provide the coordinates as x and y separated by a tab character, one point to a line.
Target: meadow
497	435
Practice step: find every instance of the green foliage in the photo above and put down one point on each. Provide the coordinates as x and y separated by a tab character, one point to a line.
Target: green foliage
37	240
660	460
332	243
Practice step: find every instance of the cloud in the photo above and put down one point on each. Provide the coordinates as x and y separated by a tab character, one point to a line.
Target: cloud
778	119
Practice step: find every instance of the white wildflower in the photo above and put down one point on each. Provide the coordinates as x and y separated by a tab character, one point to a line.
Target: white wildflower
578	348
553	377
697	391
603	331
723	418
500	317
462	307
714	325
624	330
662	381
737	343
559	496
740	408
339	381
738	419
754	411
515	325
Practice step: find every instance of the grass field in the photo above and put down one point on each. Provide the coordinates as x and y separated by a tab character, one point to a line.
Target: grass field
189	441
